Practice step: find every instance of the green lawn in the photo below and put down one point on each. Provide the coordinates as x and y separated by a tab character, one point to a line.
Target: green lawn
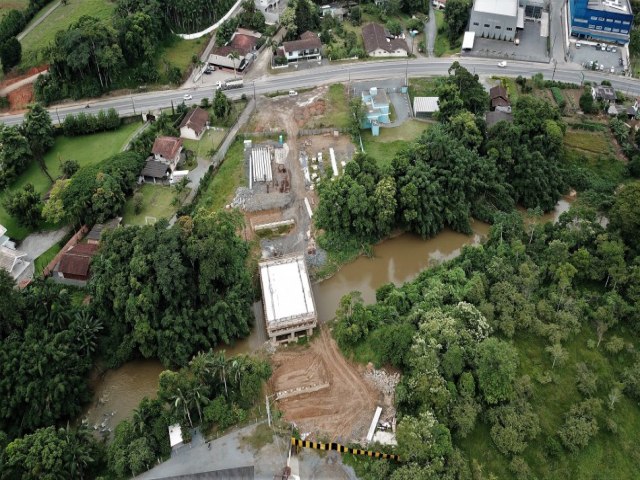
608	455
442	46
229	176
43	260
158	203
337	110
391	140
178	53
61	18
424	87
210	140
86	150
595	143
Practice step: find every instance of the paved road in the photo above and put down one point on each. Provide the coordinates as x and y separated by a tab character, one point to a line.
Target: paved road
26	31
20	83
332	73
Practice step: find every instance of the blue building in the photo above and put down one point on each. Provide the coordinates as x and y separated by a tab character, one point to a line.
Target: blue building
376	103
608	20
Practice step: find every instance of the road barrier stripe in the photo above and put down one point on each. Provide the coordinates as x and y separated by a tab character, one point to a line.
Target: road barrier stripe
341	448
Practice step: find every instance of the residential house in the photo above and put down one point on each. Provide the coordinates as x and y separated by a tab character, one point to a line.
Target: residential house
380	43
499	99
11	260
333	10
603	92
439	4
163	161
307	47
95	234
243	45
425	107
194	124
377	109
73	267
491	118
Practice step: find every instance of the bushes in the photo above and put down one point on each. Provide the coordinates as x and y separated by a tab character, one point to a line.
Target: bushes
83	123
558	97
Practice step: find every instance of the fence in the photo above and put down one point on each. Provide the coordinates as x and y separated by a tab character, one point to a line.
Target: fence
320	131
79	235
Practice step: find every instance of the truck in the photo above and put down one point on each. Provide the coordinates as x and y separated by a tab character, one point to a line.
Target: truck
229	84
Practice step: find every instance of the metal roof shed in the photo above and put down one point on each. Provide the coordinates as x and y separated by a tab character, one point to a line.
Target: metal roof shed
468	40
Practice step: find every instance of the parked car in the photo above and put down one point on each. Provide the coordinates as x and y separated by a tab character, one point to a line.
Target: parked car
601	67
187	96
598	45
608	48
207	72
578	44
614	49
502	64
612	70
293	93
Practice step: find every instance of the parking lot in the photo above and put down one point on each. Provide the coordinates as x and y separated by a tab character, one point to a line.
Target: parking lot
587	52
532	48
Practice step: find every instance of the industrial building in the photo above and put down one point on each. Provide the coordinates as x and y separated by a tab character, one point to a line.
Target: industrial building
496	19
609	20
289	309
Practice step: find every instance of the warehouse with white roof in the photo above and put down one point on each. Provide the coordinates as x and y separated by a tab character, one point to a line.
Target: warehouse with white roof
496	19
287	298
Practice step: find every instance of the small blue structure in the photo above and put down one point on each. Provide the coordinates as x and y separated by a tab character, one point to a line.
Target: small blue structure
376	103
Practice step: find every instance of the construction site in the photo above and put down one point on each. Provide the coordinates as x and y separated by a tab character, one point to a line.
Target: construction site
313	385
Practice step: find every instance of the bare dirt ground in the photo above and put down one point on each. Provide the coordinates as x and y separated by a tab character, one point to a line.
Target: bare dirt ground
344	409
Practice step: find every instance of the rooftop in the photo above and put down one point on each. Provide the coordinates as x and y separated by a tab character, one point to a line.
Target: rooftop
425	104
155	169
375	37
497	7
75	261
286	289
196	120
98	228
9	258
494	117
498	91
612	6
167	147
308	41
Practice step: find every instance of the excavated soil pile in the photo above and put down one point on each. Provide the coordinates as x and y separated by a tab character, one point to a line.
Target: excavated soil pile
343	409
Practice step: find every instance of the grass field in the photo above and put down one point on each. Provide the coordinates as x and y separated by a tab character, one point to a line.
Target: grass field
442	45
588	142
86	150
60	19
210	140
6	5
423	87
608	455
157	202
178	53
391	140
43	260
229	176
337	110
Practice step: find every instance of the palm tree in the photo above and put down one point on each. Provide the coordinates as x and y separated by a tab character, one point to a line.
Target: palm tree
76	455
178	400
234	56
220	365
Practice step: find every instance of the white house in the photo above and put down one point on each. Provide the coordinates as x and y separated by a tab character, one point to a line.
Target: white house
167	150
194	124
379	43
308	47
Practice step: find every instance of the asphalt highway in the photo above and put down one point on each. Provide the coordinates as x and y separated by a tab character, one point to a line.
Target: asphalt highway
128	105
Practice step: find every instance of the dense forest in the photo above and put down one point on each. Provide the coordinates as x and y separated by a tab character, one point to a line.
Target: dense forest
519	358
93	56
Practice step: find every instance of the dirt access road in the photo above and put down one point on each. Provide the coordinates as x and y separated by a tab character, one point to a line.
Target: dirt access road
343	409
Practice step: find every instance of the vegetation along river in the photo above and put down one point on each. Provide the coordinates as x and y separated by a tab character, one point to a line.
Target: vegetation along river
397	260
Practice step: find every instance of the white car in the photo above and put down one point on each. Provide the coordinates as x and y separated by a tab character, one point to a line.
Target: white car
293	93
613	70
187	96
502	64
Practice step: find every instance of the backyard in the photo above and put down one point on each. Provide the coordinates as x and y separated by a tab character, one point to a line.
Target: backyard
158	201
178	53
86	150
442	46
222	187
34	43
210	140
391	140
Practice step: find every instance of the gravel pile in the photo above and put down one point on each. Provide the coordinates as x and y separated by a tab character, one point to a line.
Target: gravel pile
383	381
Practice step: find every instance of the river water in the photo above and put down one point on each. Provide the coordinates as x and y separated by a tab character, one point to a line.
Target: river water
397	260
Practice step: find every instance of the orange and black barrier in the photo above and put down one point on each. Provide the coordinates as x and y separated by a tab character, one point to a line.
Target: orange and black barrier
341	448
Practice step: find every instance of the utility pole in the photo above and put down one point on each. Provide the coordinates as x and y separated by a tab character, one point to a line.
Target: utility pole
254	90
555	65
406	74
266	399
59	123
133	105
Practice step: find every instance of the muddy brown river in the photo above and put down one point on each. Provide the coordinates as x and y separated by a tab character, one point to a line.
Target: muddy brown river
397	260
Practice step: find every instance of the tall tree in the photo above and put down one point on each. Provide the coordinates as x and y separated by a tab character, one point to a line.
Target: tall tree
25	205
15	154
10	54
456	15
38	130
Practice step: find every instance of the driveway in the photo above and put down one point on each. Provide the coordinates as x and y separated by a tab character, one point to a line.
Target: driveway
430	30
400	103
38	243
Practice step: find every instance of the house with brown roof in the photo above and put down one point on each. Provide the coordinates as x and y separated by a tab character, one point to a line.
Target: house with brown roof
194	124
73	267
243	43
307	47
167	150
380	43
499	99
